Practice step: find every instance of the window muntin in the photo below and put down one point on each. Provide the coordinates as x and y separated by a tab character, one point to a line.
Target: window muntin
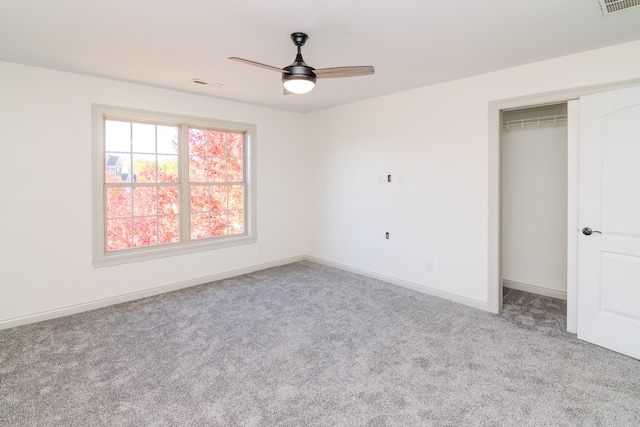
168	184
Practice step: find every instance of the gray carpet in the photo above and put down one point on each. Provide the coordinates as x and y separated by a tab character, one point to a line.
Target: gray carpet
308	345
535	312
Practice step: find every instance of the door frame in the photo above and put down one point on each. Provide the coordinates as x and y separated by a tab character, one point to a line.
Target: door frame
494	270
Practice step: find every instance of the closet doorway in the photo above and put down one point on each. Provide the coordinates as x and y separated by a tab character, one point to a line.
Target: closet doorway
534	195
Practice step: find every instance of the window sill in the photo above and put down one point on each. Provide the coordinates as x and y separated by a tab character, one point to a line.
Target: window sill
149	253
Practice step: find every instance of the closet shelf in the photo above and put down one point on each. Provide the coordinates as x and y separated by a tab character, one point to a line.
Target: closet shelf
535	121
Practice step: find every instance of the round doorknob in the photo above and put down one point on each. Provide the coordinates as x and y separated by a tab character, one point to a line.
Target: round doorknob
587	231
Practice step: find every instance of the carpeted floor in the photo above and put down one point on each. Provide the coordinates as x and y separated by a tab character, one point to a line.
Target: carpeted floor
535	312
308	345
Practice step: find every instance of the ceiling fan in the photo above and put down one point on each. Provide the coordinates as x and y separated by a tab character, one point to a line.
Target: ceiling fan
299	78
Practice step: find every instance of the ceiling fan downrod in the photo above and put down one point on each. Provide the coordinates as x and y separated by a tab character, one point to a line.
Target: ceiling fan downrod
299	39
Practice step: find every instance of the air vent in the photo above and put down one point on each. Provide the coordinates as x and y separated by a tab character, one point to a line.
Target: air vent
203	83
612	6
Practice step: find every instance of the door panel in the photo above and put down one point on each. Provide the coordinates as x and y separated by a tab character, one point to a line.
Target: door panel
620	296
621	152
609	203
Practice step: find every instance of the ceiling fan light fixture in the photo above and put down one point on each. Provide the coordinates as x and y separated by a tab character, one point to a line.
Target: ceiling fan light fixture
298	84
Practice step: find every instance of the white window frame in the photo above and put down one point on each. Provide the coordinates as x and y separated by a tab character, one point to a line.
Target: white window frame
101	257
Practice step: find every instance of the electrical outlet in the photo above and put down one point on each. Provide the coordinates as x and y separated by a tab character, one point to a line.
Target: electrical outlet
260	247
386	235
428	265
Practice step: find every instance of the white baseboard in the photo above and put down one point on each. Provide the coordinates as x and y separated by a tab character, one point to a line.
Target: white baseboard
405	284
92	305
534	289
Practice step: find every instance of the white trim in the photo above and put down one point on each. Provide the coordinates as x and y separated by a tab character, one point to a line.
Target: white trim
494	254
538	290
403	283
573	155
494	288
160	251
92	305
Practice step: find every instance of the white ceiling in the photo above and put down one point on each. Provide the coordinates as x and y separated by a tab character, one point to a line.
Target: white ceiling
411	43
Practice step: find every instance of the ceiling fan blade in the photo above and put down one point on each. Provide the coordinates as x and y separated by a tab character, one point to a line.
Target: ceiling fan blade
257	64
286	92
336	72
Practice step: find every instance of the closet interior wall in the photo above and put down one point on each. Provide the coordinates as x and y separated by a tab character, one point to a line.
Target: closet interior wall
534	200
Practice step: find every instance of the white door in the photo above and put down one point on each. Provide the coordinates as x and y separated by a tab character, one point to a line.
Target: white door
609	205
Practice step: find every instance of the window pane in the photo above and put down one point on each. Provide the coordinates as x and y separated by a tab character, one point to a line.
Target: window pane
144	167
168	229
145	231
197	169
168	200
216	143
144	201
199	198
144	138
236	197
218	224
218	197
124	160
116	164
118	234
234	145
234	170
167	168
197	143
117	136
199	225
216	169
236	222
167	139
119	202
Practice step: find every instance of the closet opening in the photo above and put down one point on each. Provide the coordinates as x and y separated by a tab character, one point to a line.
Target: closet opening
533	213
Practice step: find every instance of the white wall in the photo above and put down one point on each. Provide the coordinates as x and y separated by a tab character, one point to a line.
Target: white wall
534	203
45	226
437	136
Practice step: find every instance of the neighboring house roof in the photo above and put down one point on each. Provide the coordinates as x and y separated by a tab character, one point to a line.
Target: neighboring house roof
112	160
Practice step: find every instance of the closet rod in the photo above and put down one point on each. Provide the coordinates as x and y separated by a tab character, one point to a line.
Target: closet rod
535	121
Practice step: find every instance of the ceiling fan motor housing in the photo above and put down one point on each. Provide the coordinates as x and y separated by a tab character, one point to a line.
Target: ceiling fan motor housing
298	72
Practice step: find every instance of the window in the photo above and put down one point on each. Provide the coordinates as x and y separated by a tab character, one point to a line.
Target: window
167	184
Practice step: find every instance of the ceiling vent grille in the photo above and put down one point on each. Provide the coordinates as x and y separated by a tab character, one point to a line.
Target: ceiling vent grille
612	6
203	83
